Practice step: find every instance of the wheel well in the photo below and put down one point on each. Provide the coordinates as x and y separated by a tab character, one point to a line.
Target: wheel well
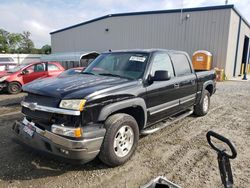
136	112
15	82
210	88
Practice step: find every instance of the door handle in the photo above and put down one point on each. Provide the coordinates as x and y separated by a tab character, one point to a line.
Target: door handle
176	86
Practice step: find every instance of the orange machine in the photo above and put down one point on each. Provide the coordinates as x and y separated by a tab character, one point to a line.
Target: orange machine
202	60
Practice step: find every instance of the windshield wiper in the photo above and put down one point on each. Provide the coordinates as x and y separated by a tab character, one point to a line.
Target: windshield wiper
88	73
114	75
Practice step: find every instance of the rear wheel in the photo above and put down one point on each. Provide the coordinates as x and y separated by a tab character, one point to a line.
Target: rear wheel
14	88
120	141
202	108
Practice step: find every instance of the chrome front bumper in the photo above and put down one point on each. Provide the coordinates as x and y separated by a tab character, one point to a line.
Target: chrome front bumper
84	150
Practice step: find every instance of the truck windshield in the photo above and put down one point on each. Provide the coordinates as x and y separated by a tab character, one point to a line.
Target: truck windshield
128	65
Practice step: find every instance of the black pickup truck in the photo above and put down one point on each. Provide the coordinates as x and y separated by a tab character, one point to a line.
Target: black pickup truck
103	110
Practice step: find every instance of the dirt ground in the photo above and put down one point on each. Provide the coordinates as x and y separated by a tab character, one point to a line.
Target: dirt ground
180	152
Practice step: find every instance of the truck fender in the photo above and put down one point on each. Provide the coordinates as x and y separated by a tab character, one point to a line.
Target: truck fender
111	108
209	82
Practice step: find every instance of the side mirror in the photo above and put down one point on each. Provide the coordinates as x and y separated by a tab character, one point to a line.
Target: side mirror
25	72
161	75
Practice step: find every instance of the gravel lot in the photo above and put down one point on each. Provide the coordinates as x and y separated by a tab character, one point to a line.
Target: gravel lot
179	152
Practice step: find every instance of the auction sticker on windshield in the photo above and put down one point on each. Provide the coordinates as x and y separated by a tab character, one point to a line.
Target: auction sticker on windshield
137	58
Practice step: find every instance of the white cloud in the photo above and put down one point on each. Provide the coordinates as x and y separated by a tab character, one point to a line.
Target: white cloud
44	16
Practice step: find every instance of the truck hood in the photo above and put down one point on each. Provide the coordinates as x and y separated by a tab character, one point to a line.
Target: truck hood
74	87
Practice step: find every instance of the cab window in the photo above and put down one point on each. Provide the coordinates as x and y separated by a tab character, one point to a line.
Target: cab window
161	61
181	64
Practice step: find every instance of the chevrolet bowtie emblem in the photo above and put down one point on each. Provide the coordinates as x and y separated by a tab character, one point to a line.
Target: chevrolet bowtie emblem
32	106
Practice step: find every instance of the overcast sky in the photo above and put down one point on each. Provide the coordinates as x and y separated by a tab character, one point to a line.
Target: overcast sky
40	17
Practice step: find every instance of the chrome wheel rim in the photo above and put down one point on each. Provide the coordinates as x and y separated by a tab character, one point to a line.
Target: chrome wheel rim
205	103
123	141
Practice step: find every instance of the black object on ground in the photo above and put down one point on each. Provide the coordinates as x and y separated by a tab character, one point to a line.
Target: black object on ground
223	158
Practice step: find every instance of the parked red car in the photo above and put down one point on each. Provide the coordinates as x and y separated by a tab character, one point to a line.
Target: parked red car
22	74
71	72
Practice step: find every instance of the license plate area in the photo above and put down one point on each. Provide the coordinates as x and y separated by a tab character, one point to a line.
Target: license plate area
29	129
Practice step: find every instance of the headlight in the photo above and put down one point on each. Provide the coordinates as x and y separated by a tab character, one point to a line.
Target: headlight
67	131
73	104
3	78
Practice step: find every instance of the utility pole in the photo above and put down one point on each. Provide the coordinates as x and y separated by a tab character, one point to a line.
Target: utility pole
181	12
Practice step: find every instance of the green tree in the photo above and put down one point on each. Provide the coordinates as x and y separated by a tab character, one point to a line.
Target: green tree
14	41
4	41
20	43
27	44
9	42
46	49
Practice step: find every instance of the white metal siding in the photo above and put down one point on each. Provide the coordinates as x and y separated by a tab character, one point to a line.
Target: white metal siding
232	43
244	31
204	30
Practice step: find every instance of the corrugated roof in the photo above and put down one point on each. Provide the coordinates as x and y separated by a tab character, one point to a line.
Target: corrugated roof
67	56
156	12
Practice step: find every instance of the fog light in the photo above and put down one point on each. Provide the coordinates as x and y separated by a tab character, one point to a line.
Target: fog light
64	151
67	131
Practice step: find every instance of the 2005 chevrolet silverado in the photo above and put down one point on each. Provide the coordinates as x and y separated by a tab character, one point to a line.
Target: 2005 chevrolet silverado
119	96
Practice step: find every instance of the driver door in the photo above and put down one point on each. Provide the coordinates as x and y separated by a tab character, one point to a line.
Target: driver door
34	72
161	98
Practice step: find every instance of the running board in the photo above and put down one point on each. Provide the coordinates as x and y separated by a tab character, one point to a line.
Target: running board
153	130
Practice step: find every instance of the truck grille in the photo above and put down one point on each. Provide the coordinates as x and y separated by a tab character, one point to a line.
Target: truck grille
44	120
42	100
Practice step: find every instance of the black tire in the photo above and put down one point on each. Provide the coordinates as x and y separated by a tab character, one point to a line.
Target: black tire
200	109
14	88
113	124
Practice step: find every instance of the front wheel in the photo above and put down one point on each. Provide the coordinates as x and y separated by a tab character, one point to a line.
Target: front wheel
202	108
14	88
120	141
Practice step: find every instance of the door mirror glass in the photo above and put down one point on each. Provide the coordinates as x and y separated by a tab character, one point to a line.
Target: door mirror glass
161	75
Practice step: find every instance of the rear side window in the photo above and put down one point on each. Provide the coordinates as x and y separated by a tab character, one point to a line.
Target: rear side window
52	67
181	64
161	61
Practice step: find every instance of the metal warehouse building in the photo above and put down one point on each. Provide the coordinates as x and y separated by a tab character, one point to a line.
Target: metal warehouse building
218	29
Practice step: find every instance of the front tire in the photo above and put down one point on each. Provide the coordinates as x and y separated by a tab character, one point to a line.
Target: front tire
202	108
14	88
120	141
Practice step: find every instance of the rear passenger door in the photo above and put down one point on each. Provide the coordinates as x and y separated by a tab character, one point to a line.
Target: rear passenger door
185	80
